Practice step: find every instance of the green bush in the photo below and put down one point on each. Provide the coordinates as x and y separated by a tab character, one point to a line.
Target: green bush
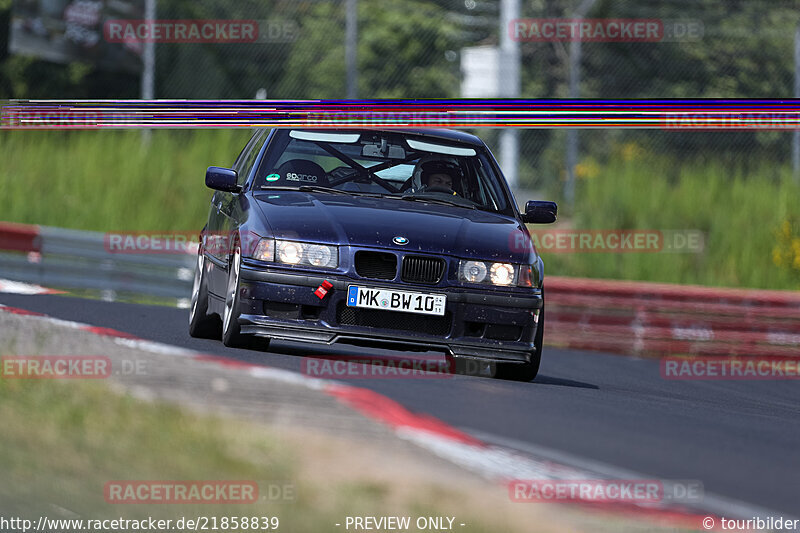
741	212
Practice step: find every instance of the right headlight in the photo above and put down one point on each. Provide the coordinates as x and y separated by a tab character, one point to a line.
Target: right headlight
297	253
321	256
289	252
303	253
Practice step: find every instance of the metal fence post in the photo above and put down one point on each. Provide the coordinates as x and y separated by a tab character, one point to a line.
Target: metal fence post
796	133
509	84
148	65
351	45
574	92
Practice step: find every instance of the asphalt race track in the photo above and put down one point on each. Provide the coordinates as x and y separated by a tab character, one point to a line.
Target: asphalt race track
741	439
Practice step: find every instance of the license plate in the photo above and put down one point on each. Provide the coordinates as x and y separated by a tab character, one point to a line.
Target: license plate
392	300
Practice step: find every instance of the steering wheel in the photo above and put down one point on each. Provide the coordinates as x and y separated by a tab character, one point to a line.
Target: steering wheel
438	188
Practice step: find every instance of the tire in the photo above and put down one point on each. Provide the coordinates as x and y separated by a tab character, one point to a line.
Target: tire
231	331
201	324
525	371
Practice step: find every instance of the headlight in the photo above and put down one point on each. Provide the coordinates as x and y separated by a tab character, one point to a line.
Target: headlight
319	255
296	253
503	274
290	252
473	271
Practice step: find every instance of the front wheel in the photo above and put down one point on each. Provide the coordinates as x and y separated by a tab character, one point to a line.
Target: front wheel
201	324
231	331
525	371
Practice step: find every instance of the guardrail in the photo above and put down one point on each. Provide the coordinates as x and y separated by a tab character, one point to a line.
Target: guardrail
63	258
647	319
661	319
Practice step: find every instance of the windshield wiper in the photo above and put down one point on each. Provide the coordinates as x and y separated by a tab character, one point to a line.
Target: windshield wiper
320	188
440	201
304	188
369	194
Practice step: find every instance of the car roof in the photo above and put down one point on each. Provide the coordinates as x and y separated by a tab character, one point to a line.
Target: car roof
449	135
433	133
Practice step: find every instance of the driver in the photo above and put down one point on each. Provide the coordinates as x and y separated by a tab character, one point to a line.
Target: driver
439	174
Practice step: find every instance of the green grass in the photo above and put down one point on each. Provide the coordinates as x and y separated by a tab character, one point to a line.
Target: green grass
62	442
740	212
110	181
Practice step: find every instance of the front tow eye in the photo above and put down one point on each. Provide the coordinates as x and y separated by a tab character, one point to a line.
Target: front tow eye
323	289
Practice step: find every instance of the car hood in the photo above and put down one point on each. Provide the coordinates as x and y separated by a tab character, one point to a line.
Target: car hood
375	222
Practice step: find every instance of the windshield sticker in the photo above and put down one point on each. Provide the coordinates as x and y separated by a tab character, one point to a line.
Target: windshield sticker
273	177
291	176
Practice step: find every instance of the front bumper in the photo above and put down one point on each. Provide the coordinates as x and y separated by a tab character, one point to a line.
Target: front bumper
482	325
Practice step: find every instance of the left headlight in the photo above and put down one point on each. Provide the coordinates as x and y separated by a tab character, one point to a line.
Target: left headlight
297	253
502	274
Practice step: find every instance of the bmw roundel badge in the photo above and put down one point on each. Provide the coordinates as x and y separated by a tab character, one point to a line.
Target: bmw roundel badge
400	241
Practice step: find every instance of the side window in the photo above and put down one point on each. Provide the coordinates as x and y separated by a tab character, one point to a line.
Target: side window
244	163
491	197
246	150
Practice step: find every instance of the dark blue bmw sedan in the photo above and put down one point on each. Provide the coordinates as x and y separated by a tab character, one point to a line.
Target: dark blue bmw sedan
401	238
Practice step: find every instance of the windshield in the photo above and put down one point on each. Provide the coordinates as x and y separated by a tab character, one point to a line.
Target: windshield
385	164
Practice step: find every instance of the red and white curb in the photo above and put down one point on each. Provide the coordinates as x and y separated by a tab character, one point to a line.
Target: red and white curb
499	463
17	287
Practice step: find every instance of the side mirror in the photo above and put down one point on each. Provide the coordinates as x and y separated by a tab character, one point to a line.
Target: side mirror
540	212
222	179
